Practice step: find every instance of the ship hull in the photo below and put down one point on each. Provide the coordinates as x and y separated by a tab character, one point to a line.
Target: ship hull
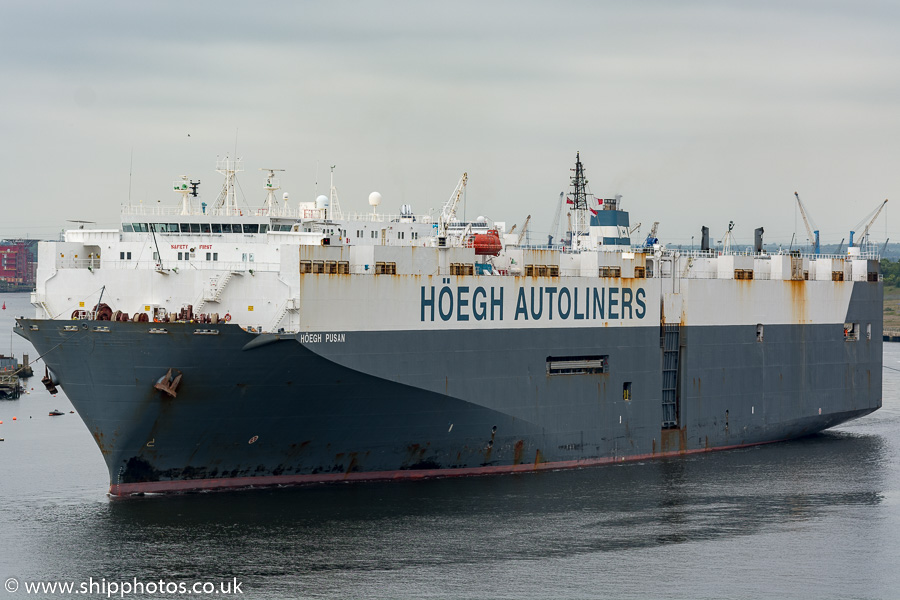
264	409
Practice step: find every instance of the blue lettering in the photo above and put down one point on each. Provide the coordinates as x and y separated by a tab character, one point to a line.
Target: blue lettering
613	302
564	314
599	295
445	315
540	304
575	308
479	309
626	301
498	302
521	306
429	302
550	292
461	302
642	308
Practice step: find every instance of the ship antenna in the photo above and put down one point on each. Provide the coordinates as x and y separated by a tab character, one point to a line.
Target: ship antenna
130	169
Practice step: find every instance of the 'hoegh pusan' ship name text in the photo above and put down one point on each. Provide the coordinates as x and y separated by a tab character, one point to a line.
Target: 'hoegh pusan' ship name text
537	303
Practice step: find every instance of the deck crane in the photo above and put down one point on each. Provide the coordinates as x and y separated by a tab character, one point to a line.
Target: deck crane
524	230
449	211
810	225
869	220
554	228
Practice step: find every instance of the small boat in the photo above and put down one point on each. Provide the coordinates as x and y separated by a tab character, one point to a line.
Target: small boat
56	413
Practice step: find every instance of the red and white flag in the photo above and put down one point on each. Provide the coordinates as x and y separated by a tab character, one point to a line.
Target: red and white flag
569	201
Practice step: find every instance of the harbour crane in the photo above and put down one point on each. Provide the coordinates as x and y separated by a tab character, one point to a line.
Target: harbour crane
869	220
449	211
524	231
811	226
554	227
651	238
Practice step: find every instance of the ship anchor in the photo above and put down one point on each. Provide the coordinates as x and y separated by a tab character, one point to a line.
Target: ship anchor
168	384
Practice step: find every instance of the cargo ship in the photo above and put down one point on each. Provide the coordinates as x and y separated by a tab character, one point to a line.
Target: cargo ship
217	346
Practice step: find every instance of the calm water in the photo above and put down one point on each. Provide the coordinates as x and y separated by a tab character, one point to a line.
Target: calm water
816	518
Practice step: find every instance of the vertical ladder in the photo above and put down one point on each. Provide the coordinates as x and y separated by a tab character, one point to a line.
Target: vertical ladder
670	343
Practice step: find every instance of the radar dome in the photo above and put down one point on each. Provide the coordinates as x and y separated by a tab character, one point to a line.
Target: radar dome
285	196
374	199
480	219
322	201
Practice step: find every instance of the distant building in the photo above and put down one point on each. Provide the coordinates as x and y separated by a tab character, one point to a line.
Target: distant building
14	264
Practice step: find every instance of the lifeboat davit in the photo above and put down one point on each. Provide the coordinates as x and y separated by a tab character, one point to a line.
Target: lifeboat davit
487	244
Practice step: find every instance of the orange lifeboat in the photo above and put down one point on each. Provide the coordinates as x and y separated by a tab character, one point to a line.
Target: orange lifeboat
487	244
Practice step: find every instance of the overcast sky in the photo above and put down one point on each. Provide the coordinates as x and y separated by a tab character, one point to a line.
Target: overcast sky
696	112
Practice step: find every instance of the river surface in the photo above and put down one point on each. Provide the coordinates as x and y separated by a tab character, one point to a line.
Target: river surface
813	518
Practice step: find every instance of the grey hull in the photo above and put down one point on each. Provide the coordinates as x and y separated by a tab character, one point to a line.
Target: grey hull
264	409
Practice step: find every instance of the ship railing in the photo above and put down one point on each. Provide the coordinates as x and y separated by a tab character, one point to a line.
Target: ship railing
764	255
170	265
384	218
149	210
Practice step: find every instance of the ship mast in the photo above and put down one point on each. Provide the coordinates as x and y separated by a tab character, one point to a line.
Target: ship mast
182	188
227	198
579	202
272	185
334	206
